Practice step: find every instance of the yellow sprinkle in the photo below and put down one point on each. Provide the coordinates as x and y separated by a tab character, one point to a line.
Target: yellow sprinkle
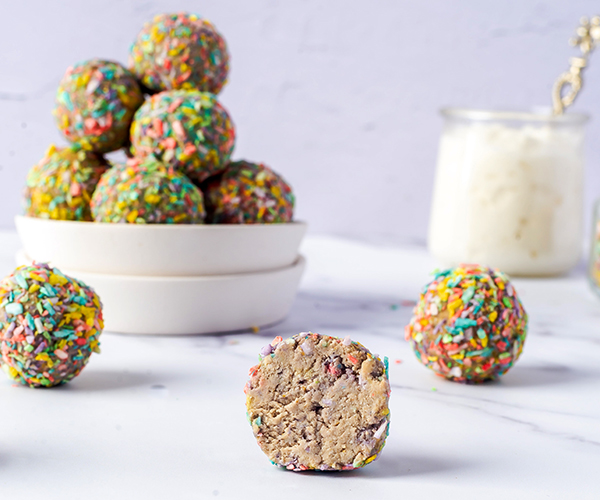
493	316
55	279
132	216
152	198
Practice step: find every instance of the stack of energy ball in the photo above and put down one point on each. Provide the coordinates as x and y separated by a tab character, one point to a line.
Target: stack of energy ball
179	139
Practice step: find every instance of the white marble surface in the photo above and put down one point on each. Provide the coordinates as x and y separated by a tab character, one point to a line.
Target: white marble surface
165	417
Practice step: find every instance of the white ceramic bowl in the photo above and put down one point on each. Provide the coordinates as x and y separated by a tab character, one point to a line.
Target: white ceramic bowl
160	249
177	305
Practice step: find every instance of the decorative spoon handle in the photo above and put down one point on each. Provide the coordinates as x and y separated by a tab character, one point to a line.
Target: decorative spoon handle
567	86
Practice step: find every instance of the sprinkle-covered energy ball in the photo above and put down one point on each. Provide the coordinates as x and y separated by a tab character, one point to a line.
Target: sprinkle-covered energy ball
95	103
248	193
180	51
60	186
147	192
49	325
469	325
188	130
319	402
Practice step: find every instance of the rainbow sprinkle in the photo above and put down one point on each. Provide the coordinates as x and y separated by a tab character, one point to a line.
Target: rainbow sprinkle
469	325
248	193
60	186
188	130
180	51
146	191
95	103
49	326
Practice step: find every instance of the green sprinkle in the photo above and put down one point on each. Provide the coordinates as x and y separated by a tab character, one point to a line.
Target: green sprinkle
468	294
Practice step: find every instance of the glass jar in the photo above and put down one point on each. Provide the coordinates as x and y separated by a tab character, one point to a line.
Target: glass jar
594	269
509	191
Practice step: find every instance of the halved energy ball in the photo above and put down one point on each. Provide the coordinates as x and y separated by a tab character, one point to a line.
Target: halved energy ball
49	325
319	402
469	324
145	191
180	51
248	193
60	186
188	130
95	103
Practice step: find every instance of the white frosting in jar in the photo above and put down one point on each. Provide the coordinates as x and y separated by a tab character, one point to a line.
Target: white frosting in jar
509	197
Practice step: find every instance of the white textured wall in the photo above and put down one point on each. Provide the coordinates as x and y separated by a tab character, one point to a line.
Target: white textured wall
340	96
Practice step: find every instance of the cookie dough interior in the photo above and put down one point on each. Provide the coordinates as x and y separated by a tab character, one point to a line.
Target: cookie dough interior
316	403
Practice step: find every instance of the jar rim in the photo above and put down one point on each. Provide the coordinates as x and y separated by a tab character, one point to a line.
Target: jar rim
525	116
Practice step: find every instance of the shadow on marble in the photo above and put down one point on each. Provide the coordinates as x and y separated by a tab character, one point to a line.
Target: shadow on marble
542	375
108	380
392	464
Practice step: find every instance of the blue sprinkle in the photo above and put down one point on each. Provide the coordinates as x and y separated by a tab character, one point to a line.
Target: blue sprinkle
464	323
49	307
30	321
21	281
14	308
62	333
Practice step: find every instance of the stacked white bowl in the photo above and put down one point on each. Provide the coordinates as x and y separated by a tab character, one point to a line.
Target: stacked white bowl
175	279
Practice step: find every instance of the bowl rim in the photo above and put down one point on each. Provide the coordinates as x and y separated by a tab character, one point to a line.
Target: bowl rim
163	227
300	261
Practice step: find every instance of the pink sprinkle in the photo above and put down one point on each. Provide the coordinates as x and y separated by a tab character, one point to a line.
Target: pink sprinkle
61	354
174	105
178	128
170	143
